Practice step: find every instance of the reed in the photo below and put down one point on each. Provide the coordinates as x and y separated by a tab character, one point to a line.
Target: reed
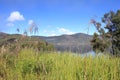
28	65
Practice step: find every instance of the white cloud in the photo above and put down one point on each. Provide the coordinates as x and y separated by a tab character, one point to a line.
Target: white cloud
57	31
10	24
52	34
30	22
15	16
64	31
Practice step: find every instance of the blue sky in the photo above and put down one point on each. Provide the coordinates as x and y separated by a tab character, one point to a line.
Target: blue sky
53	17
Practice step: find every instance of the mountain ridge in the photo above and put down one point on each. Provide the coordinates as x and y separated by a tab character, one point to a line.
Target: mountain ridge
76	43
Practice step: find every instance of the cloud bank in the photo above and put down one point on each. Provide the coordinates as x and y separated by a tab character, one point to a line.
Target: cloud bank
64	31
57	31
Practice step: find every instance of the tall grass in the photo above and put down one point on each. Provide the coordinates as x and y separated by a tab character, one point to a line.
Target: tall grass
27	65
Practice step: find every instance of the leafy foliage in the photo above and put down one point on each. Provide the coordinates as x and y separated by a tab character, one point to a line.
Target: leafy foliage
110	39
98	44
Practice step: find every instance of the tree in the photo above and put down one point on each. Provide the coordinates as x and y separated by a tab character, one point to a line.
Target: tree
110	38
98	44
112	21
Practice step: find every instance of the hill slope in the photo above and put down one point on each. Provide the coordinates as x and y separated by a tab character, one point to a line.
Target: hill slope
78	43
15	42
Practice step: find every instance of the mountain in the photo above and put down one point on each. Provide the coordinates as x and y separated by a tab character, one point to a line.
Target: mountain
77	43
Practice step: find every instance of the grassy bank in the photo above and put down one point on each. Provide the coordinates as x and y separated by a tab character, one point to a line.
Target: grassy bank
27	65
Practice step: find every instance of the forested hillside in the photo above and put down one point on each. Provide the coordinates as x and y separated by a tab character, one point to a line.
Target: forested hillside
15	42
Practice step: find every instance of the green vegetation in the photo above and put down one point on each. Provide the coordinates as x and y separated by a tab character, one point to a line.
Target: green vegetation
108	40
29	58
29	65
14	43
